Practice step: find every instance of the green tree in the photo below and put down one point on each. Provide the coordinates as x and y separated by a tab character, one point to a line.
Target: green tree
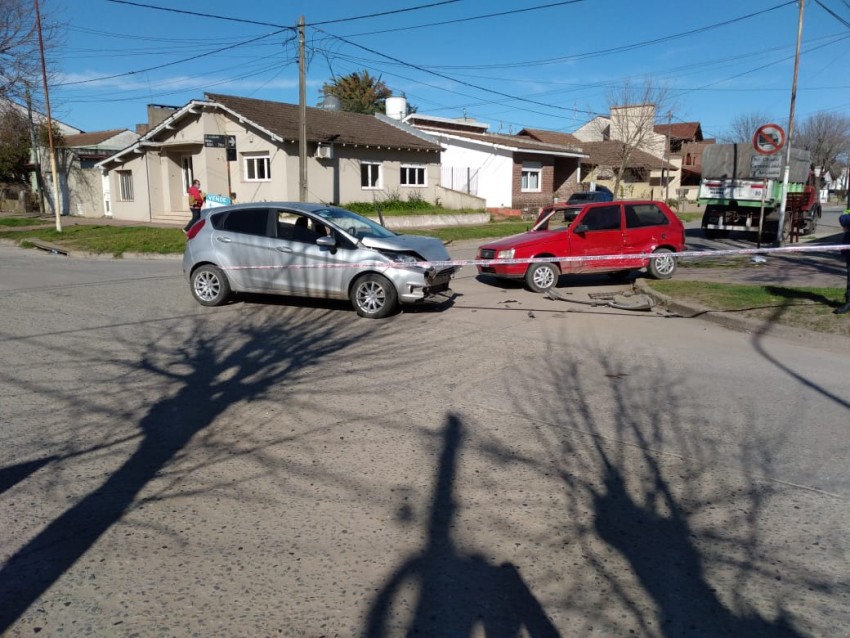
359	92
14	147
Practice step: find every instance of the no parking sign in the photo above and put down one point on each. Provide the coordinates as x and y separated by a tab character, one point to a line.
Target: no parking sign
768	139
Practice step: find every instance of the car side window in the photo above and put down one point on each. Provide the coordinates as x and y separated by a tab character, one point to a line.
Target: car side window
602	218
640	215
300	228
250	221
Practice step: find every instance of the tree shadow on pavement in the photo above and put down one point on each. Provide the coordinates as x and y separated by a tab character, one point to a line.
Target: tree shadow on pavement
216	367
666	529
455	593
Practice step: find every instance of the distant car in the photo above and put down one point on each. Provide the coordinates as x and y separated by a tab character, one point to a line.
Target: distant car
601	194
607	228
310	250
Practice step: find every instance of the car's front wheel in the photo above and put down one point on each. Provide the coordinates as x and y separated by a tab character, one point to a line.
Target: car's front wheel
209	285
373	296
541	277
662	265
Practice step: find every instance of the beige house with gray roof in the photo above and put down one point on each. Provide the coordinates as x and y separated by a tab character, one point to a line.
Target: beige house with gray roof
250	149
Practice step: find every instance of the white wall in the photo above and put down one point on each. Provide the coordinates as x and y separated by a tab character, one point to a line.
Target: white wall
493	166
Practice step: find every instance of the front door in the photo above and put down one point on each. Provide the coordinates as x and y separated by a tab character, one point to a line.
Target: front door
601	234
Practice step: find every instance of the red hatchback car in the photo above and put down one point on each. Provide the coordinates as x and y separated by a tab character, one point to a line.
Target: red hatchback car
620	228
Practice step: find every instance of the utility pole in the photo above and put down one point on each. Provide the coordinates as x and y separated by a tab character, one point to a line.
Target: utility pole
789	136
56	202
666	158
302	115
35	156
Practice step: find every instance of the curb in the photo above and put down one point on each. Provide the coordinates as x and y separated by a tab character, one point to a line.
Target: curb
695	311
689	310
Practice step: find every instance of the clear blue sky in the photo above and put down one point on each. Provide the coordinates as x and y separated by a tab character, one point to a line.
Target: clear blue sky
541	64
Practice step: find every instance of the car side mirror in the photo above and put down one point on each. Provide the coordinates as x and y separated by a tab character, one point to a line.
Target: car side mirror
581	229
327	242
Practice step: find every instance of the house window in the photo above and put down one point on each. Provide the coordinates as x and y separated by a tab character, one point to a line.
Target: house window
257	168
370	175
531	174
125	182
412	175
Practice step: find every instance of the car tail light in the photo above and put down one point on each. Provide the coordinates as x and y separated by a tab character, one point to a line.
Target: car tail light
196	228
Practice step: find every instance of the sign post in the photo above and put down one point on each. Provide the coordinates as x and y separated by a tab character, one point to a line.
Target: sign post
768	140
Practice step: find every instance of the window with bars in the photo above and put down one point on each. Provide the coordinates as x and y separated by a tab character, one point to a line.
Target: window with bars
125	183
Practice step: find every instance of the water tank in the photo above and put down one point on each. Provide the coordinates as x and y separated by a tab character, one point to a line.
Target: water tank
330	103
396	107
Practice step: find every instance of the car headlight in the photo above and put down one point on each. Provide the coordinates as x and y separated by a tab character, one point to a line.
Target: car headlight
505	254
402	258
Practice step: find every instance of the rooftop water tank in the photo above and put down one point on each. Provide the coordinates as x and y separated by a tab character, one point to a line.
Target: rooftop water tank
396	107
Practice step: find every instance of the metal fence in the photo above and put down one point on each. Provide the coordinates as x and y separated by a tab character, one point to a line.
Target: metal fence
460	178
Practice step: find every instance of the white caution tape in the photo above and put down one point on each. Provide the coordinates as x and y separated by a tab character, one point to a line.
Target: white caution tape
686	254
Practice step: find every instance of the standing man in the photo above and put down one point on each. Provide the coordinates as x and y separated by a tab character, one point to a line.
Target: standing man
196	200
844	220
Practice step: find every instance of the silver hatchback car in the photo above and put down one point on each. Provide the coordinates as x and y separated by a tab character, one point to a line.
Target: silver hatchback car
310	250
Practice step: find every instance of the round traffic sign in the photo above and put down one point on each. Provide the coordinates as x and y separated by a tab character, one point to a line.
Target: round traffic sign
768	139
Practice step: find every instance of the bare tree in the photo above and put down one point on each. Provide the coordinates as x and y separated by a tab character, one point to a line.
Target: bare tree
743	127
20	60
826	136
632	110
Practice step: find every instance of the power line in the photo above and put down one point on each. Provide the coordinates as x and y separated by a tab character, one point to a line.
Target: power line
468	19
270	24
167	64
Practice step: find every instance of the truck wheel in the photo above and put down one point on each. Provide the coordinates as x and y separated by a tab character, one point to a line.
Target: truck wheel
663	265
813	223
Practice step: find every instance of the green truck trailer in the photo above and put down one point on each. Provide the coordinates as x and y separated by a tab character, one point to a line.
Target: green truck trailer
741	190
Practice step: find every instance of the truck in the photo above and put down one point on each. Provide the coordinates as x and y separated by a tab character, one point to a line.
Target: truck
742	191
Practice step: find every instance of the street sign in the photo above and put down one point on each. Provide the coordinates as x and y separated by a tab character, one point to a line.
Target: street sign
215	141
768	139
766	166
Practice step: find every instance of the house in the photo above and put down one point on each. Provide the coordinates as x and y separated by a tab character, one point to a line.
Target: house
40	176
515	172
248	150
82	187
601	158
676	147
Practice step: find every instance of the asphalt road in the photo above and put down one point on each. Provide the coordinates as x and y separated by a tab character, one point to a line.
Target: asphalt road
500	461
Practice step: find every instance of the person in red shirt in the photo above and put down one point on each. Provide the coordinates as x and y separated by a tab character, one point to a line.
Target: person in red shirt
196	200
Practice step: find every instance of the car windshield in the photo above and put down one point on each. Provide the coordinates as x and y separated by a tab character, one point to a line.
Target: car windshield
556	218
354	224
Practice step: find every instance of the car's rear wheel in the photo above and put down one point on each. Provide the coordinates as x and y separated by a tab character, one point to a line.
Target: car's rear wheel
210	286
663	264
373	296
542	277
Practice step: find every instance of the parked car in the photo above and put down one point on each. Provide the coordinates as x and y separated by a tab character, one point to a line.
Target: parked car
310	250
601	194
619	229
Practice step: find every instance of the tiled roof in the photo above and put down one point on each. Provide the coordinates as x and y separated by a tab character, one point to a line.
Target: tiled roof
90	139
551	137
608	153
681	130
339	127
518	142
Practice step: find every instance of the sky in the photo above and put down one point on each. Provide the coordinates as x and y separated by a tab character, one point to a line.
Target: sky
512	64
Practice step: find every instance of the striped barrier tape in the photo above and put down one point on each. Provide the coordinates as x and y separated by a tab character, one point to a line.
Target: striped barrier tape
686	254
